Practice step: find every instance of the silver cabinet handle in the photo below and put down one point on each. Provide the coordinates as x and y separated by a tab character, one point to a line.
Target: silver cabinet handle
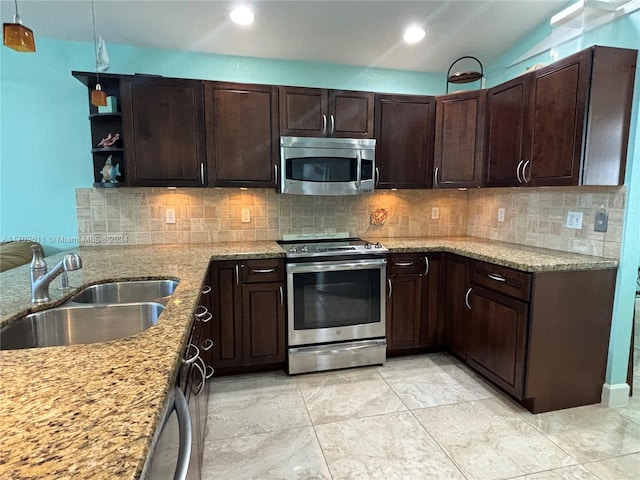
324	125
426	265
524	171
275	175
333	125
281	295
202	173
206	372
390	287
237	274
518	171
262	270
403	264
466	298
206	318
201	311
184	431
206	345
203	377
377	176
189	360
358	169
206	289
435	177
496	277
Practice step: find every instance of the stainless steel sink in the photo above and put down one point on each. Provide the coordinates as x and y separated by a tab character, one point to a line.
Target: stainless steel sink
127	291
68	325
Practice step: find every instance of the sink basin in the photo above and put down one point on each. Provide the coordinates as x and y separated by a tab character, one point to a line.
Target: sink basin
69	325
127	291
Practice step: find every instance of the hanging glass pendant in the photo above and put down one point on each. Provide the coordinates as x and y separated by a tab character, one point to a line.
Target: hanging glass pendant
98	97
18	37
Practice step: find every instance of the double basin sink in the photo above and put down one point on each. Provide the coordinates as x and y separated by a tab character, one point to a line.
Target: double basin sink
98	313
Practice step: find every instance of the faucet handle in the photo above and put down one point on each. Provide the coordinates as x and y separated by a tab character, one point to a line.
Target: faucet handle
37	262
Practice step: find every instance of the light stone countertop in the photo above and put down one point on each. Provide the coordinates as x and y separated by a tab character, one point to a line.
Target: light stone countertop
91	411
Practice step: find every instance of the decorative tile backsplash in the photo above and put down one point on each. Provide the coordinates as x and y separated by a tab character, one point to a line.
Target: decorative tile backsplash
533	216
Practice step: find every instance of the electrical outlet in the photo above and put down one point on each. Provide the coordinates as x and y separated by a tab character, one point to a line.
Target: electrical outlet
170	215
574	220
435	213
246	215
501	214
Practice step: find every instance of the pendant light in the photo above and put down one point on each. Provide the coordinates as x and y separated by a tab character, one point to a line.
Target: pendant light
17	36
98	97
466	76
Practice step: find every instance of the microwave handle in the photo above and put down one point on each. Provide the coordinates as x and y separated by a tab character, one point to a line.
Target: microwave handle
358	169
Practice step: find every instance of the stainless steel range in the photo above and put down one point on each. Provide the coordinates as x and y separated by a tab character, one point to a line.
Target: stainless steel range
336	303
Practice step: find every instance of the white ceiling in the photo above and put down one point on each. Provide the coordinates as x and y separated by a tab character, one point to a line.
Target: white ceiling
361	32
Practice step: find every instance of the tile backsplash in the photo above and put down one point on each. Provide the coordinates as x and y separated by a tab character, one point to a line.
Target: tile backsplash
533	216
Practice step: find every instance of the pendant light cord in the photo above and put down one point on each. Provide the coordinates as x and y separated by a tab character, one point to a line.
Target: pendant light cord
16	17
95	40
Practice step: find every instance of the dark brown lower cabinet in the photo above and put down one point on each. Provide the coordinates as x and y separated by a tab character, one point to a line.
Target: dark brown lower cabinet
403	311
456	304
248	313
497	337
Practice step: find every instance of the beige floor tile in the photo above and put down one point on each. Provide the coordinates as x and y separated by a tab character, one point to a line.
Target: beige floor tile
588	433
574	472
626	467
285	455
257	403
385	447
488	440
631	411
345	394
429	381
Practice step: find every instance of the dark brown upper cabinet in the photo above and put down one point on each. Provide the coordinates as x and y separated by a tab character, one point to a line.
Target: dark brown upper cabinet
314	112
242	134
459	140
404	129
565	124
166	145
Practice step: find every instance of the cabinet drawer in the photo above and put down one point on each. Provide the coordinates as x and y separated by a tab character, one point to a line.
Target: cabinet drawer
405	263
505	280
266	270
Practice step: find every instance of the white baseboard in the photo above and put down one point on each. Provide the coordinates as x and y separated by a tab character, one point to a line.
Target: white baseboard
615	395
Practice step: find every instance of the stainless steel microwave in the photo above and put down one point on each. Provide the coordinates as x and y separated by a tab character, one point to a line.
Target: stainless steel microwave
327	166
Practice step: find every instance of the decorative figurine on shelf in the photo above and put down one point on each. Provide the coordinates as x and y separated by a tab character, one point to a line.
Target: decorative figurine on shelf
109	140
379	217
110	172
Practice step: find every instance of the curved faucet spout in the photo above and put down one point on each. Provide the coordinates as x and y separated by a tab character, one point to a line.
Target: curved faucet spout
41	279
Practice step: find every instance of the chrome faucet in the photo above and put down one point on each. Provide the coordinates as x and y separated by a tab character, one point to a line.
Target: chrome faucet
40	278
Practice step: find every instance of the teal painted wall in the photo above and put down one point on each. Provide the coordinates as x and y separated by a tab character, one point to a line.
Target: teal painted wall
623	32
44	130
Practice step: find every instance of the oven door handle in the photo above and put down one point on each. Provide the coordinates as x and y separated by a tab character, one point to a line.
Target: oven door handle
335	266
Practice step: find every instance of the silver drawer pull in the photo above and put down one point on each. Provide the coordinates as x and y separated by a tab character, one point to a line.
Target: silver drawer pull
206	345
496	277
403	264
188	360
262	270
208	372
466	298
426	265
201	311
205	318
206	289
390	287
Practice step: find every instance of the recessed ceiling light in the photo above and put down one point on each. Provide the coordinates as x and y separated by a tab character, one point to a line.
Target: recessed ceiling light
413	34
242	15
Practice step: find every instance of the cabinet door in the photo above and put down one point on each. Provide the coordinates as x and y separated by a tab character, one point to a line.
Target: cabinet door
263	323
350	114
242	134
459	140
457	312
403	311
561	95
404	127
227	317
165	146
508	142
497	339
303	111
432	322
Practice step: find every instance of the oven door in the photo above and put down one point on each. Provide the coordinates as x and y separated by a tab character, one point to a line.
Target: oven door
335	301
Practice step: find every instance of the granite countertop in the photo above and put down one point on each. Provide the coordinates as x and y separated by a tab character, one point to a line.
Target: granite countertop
91	411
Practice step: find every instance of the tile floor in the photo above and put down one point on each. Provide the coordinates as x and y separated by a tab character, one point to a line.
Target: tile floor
422	417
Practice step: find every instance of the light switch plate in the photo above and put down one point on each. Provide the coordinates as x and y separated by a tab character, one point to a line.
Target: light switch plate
602	221
574	220
435	213
501	214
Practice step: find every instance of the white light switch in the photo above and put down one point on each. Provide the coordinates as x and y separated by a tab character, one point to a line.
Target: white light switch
435	213
170	215
501	214
574	220
246	215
